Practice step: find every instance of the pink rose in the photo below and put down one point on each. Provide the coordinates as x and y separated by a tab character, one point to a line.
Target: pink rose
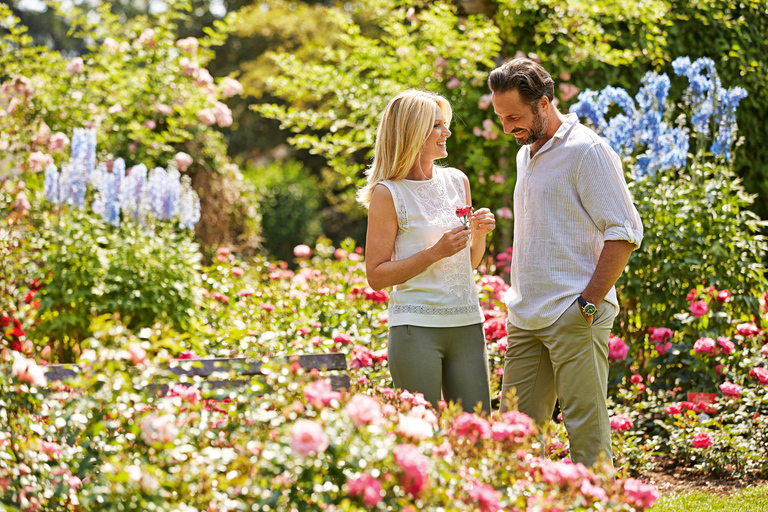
504	213
206	116
302	251
640	494
617	349
238	272
728	346
484	102
414	466
149	124
203	77
472	427
673	409
57	142
702	440
21	204
319	393
567	91
163	109
26	370
723	296
147	38
231	87
189	67
50	448
488	499
223	114
183	161
137	353
704	345
366	486
187	45
39	161
747	329
699	308
75	66
307	437
453	83
730	389
159	429
761	374
621	422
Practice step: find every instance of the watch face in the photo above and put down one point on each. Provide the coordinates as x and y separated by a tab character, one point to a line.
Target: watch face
590	309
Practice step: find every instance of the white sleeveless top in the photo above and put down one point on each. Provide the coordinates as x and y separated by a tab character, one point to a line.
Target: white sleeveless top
445	294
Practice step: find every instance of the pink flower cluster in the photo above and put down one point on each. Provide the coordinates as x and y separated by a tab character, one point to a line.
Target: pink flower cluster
187	393
307	437
487	131
617	349
363	357
471	427
621	422
495	328
639	493
760	373
659	337
699	308
363	410
366	486
487	498
702	440
414	466
319	393
514	426
159	429
730	389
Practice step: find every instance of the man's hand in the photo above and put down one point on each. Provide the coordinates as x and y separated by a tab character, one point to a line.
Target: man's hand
588	318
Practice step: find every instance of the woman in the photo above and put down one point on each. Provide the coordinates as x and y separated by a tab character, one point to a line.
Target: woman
417	244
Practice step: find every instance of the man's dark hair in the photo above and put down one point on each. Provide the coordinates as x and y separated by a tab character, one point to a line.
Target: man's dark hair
530	80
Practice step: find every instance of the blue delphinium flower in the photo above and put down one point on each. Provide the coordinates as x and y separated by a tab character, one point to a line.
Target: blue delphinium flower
51	184
77	177
621	135
617	95
111	192
99	183
590	108
725	115
189	205
653	93
132	190
170	200
673	149
155	191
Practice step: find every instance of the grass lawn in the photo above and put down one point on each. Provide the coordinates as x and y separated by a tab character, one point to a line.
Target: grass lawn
746	500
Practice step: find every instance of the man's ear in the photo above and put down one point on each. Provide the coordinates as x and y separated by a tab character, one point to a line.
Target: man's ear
544	103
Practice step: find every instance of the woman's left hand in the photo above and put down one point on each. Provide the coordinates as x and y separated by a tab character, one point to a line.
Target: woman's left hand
483	222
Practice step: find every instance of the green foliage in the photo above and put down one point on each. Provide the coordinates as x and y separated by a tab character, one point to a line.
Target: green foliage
143	274
147	92
698	233
334	96
290	199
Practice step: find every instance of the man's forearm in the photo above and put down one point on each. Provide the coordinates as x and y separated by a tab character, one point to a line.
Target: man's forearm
613	259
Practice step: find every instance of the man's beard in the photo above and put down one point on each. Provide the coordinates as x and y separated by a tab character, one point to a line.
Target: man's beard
538	130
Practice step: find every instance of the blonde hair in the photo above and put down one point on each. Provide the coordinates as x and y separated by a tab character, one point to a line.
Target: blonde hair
403	129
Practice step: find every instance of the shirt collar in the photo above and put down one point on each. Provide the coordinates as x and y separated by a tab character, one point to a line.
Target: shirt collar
560	134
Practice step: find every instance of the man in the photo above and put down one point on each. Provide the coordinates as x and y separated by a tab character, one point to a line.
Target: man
575	228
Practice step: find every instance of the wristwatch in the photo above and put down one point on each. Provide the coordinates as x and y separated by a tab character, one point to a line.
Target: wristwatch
588	308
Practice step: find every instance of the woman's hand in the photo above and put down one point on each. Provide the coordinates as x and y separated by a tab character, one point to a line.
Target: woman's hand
483	222
451	242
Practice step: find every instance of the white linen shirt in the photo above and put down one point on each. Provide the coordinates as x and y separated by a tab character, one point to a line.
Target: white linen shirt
570	198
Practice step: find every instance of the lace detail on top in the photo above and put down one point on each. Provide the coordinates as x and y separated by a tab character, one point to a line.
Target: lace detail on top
421	309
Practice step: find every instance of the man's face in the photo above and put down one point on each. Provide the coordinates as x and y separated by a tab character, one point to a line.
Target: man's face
518	118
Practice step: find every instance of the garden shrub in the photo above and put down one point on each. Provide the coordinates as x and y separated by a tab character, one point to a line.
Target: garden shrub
290	199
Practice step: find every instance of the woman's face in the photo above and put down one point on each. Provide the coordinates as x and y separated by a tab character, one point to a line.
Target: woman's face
434	147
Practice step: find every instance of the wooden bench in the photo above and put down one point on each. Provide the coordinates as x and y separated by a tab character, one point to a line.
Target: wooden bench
223	366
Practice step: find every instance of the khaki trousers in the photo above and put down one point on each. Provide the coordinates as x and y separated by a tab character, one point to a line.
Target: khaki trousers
567	361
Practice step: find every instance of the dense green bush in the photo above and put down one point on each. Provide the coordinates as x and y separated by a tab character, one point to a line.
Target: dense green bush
290	199
144	274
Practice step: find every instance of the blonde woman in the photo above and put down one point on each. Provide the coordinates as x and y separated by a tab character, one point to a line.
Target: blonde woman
418	245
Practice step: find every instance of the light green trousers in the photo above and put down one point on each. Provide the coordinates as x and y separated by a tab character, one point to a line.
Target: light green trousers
567	361
451	360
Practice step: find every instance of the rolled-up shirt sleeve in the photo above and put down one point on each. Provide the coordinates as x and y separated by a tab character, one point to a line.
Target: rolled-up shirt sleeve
606	197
